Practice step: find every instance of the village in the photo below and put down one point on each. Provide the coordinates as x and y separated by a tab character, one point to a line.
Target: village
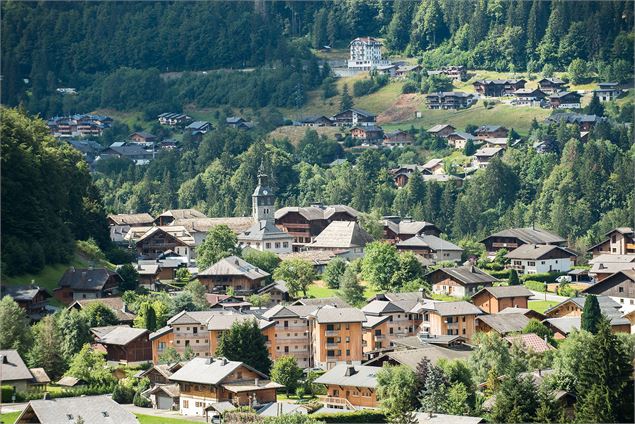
306	308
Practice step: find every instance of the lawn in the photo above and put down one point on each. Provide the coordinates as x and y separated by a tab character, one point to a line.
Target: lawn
541	305
9	417
48	277
319	290
149	419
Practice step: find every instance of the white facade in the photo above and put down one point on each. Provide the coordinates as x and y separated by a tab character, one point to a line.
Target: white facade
365	54
194	405
531	266
117	232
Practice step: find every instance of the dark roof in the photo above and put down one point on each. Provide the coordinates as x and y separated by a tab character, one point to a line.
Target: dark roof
529	235
572	118
505	323
467	274
610	281
489	128
86	279
23	293
552	80
350	375
12	366
536	251
562	94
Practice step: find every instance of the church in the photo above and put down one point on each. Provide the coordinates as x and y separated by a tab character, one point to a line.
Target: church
263	235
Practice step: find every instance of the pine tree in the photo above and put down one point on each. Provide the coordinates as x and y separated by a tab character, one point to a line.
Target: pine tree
513	278
332	28
346	101
245	342
150	318
595	107
350	288
16	332
591	314
45	352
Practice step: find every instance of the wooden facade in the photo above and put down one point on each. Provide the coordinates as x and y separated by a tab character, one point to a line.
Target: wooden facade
492	305
337	342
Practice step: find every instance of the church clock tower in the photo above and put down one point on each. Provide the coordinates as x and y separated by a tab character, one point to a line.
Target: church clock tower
262	200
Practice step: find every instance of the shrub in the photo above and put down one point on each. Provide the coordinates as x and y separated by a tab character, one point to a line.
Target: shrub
409	87
547	277
352	417
535	285
141	401
123	394
502	274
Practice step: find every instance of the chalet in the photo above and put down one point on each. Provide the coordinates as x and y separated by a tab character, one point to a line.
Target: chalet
447	318
354	117
441	130
14	372
316	121
529	97
142	137
167	217
491	131
608	91
305	223
30	298
498	88
390	70
449	100
336	336
130	151
529	313
584	122
619	287
551	85
80	125
120	224
123	343
365	54
278	291
460	281
239	123
115	304
342	235
233	272
160	373
397	229
292	332
200	127
605	265
89	283
574	306
367	133
199	227
398	138
512	238
493	143
431	247
433	166
502	324
619	241
458	73
492	300
485	155
565	100
541	258
157	240
225	301
173	119
409	351
459	139
350	387
404	70
164	396
203	381
563	326
89	409
89	149
387	320
402	174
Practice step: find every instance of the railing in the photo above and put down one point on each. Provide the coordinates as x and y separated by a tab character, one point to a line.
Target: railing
329	400
380	336
332	332
332	345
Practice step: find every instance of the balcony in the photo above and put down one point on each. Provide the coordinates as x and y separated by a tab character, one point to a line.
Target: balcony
332	333
380	336
336	401
332	345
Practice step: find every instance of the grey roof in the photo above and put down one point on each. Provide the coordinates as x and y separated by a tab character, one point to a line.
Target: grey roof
372	320
501	292
424	340
394	297
562	94
216	319
412	357
221	407
384	307
93	409
275	409
505	323
40	376
237	224
160	332
611	258
464	135
135	219
330	315
12	366
182	213
432	242
467	274
116	304
22	293
225	321
86	279
235	266
552	80
363	376
264	230
311	213
322	301
119	335
459	307
342	235
70	381
488	128
439	127
289	311
488	152
172	390
426	418
198	125
565	324
609	308
536	251
408	226
572	118
209	371
530	235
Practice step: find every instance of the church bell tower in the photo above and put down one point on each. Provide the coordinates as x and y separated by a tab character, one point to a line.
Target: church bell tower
262	200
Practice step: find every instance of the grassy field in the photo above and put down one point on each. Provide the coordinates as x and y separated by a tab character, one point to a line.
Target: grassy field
295	134
541	305
149	419
9	417
48	277
319	290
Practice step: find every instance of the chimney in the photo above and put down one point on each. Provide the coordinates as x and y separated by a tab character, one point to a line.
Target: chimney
350	370
72	269
3	359
473	269
209	361
256	381
223	361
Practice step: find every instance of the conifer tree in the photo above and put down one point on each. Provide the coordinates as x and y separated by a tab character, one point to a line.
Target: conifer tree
346	101
591	314
245	342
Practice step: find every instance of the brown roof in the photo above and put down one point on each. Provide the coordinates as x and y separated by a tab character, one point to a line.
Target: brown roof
40	376
116	304
531	341
505	323
502	292
237	224
136	219
342	235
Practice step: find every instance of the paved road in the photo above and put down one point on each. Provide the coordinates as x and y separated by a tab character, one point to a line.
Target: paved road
12	407
161	413
550	296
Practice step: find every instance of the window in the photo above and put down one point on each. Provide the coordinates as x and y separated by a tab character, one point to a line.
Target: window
620	289
277	245
464	331
195	330
285	244
239	375
531	263
348	352
186	403
268	245
105	413
161	346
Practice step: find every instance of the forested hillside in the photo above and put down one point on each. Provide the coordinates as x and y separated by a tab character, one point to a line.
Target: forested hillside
47	45
48	197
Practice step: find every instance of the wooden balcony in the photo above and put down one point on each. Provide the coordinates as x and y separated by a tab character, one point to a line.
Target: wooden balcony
337	402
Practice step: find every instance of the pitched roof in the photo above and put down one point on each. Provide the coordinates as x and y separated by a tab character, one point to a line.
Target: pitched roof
373	321
209	371
529	235
467	274
501	292
70	381
288	311
459	307
333	301
383	307
176	231
119	335
237	224
136	219
311	213
234	266
342	235
611	258
407	226
432	163
463	135
489	128
86	279
182	213
276	409
536	251
439	127
531	342
116	304
488	151
350	375
264	230
12	366
562	94
432	242
505	323
23	293
92	409
40	376
330	315
565	324
412	357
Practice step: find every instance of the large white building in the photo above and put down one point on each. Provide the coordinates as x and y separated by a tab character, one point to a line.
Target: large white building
366	54
541	258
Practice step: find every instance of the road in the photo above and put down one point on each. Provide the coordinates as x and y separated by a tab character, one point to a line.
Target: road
550	296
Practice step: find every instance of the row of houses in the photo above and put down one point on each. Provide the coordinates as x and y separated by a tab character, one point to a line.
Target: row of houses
79	125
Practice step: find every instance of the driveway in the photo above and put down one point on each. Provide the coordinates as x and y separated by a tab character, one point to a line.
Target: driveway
161	413
549	296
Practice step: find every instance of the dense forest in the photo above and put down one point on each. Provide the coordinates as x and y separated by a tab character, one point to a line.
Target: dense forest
47	45
48	197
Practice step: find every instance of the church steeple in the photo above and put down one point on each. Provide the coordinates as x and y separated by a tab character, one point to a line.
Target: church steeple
262	199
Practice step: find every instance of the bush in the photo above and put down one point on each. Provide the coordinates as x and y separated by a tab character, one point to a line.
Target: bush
123	394
547	277
566	290
141	401
409	87
535	285
119	256
501	275
352	417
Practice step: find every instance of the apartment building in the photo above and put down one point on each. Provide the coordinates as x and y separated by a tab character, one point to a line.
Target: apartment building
336	336
291	327
388	320
448	318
